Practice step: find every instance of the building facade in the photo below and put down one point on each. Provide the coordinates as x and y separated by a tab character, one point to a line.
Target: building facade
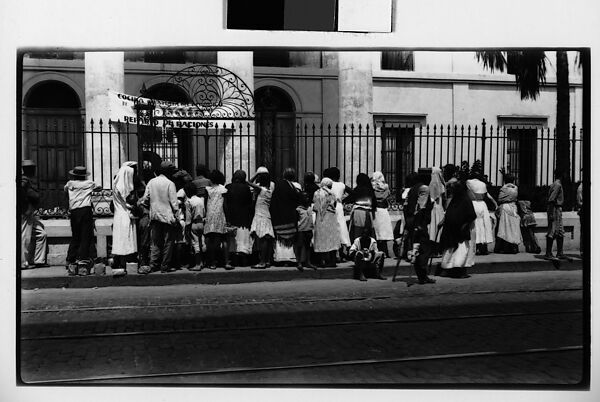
394	111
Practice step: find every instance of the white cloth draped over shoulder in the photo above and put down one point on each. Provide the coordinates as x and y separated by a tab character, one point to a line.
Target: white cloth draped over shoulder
338	189
509	222
437	188
484	229
124	230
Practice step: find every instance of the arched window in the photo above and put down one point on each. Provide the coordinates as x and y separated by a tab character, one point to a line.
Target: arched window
52	137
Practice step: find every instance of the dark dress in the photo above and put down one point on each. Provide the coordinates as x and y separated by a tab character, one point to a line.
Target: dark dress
284	201
240	210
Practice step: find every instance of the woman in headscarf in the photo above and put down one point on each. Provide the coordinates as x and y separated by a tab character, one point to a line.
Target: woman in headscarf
239	215
286	198
509	223
382	223
417	211
437	189
365	205
449	176
124	245
326	232
456	234
483	227
339	189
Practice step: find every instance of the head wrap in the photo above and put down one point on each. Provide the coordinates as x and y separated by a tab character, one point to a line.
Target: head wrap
378	182
123	182
326	182
262	169
239	176
437	187
325	197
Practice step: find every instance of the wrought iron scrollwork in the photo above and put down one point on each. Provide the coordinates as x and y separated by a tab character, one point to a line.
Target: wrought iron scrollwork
101	200
216	92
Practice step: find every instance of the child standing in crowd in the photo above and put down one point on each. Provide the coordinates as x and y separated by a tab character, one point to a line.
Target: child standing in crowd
79	191
194	223
182	255
262	228
555	222
161	198
305	232
215	225
367	258
528	223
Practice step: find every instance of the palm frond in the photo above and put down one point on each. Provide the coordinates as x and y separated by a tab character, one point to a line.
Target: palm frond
530	73
492	60
528	66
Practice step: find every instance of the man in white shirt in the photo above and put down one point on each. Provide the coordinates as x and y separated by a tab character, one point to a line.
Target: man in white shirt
161	197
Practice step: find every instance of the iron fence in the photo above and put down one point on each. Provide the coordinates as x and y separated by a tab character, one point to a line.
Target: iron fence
526	151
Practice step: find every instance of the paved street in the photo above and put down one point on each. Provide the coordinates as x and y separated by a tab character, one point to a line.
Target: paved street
495	328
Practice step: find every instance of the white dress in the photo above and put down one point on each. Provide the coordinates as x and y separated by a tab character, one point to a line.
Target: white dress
484	230
124	239
337	189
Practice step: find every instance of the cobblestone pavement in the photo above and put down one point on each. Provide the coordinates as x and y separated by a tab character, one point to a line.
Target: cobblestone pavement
126	331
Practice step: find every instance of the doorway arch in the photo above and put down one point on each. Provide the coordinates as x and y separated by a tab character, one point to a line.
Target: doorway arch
174	144
52	137
275	129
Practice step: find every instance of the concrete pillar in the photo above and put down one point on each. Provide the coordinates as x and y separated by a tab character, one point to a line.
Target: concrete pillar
330	60
241	64
103	71
355	108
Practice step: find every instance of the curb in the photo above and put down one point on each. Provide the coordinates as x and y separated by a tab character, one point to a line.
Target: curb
246	275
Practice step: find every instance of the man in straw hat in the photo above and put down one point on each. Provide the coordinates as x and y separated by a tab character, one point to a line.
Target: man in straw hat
33	233
79	190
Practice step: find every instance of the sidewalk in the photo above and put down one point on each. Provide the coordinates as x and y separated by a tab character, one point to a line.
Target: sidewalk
56	276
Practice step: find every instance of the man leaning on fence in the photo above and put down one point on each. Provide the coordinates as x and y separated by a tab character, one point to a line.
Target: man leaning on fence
33	234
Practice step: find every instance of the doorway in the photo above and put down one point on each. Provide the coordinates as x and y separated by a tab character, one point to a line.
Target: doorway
276	130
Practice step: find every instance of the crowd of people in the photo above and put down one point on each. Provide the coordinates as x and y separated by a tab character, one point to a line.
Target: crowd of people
169	220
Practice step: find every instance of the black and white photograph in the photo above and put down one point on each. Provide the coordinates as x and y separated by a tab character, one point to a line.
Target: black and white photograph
353	215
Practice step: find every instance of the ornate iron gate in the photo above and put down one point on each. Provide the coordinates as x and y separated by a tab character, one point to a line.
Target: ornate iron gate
219	101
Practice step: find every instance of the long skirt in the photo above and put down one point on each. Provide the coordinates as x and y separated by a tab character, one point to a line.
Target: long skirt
344	234
437	214
509	224
484	231
326	234
262	226
472	247
359	220
242	241
124	241
284	253
455	257
382	224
